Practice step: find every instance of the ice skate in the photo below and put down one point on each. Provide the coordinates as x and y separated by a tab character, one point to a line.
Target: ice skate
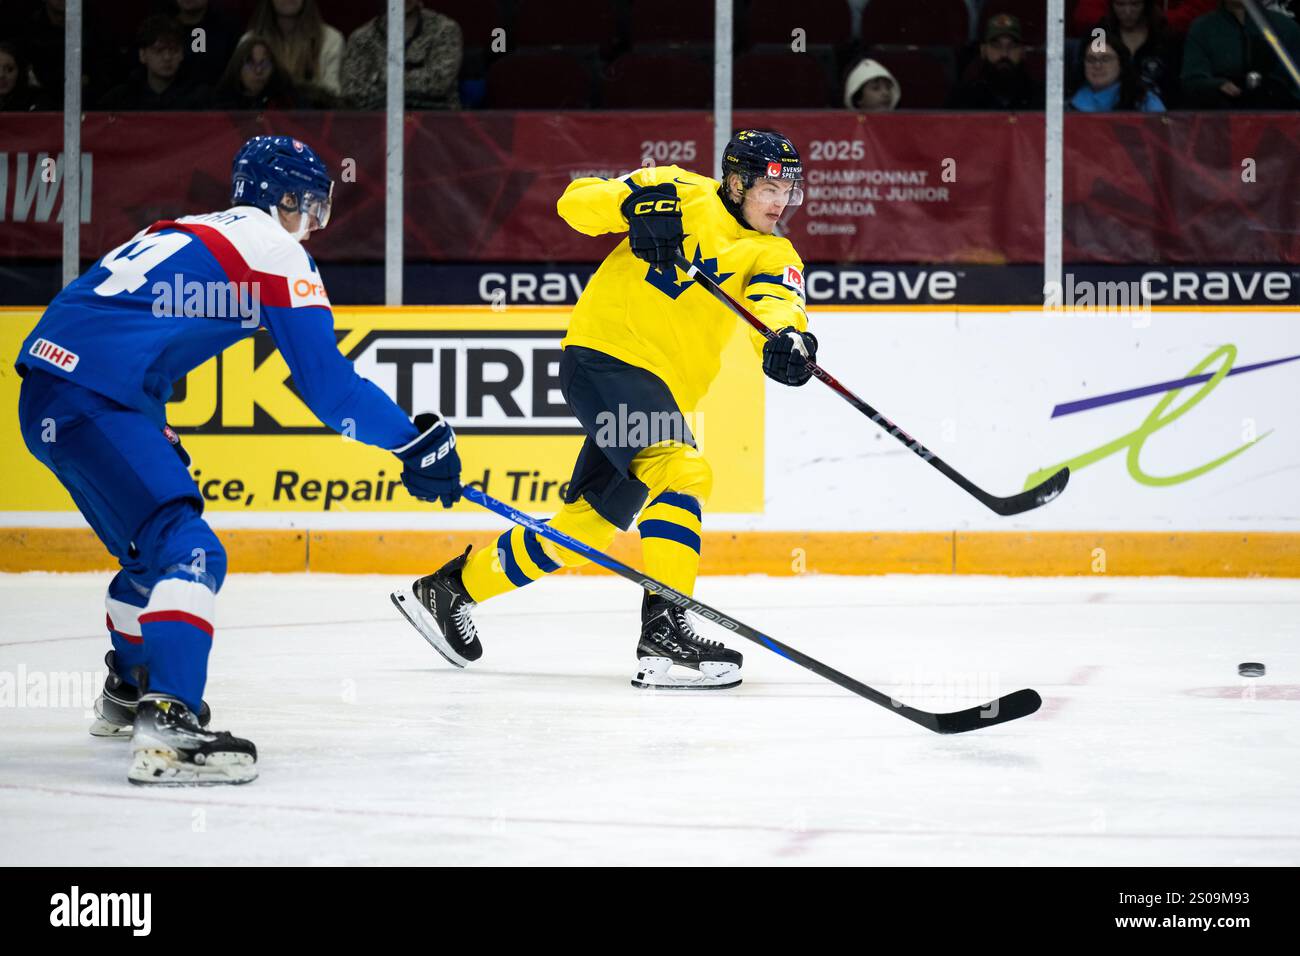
671	655
115	706
169	748
439	608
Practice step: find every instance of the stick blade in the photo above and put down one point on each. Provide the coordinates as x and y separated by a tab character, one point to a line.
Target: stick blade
1032	498
1022	703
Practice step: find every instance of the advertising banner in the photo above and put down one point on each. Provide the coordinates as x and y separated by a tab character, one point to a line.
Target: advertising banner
938	188
1167	420
257	449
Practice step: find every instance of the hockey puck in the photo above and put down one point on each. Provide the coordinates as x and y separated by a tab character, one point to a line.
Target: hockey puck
1250	669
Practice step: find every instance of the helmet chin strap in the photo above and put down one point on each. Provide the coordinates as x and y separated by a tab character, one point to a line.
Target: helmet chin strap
735	208
303	220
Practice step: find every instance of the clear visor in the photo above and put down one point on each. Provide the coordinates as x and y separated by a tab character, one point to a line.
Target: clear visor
780	196
317	207
314	204
783	192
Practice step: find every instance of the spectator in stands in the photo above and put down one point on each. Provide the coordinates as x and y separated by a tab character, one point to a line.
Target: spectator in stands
160	43
434	49
254	80
1140	27
204	66
41	40
1227	63
310	50
1001	81
1179	14
871	88
1108	81
17	95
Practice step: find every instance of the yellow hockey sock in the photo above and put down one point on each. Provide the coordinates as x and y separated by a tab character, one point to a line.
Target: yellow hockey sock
521	557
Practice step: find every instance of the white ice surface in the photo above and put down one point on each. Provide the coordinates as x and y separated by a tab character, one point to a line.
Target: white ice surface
1149	749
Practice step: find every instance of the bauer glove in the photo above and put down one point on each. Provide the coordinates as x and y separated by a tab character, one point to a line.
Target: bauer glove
786	357
654	224
431	467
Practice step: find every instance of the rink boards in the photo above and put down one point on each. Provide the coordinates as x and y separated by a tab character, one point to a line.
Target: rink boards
1178	426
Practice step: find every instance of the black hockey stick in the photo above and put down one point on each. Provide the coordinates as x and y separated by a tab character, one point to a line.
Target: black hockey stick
1026	500
1019	704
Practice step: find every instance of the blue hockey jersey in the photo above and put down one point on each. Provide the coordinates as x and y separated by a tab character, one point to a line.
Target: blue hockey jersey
181	291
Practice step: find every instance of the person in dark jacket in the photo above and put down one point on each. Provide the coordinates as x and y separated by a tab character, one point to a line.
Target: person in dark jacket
156	85
17	95
1228	64
1141	28
1000	81
220	35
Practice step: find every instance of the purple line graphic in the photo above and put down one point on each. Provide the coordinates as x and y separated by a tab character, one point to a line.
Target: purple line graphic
1083	404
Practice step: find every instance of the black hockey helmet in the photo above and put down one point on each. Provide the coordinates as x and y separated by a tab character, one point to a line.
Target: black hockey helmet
754	154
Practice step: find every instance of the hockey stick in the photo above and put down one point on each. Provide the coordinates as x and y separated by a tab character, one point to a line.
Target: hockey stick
1266	28
1026	500
1018	704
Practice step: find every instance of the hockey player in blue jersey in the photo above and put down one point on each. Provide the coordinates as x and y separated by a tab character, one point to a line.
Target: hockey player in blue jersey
97	373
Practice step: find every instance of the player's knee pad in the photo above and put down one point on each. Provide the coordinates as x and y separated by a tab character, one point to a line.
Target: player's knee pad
677	468
176	539
579	520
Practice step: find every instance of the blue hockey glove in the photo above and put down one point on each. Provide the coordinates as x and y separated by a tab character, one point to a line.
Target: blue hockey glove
431	466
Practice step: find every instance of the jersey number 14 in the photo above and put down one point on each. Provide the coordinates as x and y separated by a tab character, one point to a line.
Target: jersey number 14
130	262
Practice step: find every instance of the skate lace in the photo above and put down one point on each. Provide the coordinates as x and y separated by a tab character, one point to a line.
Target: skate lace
684	624
465	624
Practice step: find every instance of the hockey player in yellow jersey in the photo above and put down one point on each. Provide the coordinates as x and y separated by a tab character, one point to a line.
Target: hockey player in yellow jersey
643	345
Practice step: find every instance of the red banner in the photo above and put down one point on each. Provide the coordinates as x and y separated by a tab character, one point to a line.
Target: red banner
901	187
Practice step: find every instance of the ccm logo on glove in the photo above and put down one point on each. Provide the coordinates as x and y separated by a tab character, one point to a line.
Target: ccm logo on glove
656	205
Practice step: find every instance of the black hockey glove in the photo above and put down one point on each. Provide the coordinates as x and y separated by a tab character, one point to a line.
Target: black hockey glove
654	224
431	469
786	357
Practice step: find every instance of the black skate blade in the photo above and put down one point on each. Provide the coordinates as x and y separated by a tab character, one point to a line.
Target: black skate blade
400	599
178	784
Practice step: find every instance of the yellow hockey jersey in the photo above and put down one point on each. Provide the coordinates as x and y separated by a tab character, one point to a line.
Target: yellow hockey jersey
666	324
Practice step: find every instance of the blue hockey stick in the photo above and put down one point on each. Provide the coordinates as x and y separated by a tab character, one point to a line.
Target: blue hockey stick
1021	703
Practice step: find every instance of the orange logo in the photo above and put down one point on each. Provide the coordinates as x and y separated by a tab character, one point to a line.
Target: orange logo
306	289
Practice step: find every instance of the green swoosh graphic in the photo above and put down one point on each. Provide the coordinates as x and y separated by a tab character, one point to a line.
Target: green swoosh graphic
1157	419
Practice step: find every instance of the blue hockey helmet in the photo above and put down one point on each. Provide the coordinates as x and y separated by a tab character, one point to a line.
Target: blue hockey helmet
282	172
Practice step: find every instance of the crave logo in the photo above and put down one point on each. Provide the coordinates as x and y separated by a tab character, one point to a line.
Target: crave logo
1208	373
